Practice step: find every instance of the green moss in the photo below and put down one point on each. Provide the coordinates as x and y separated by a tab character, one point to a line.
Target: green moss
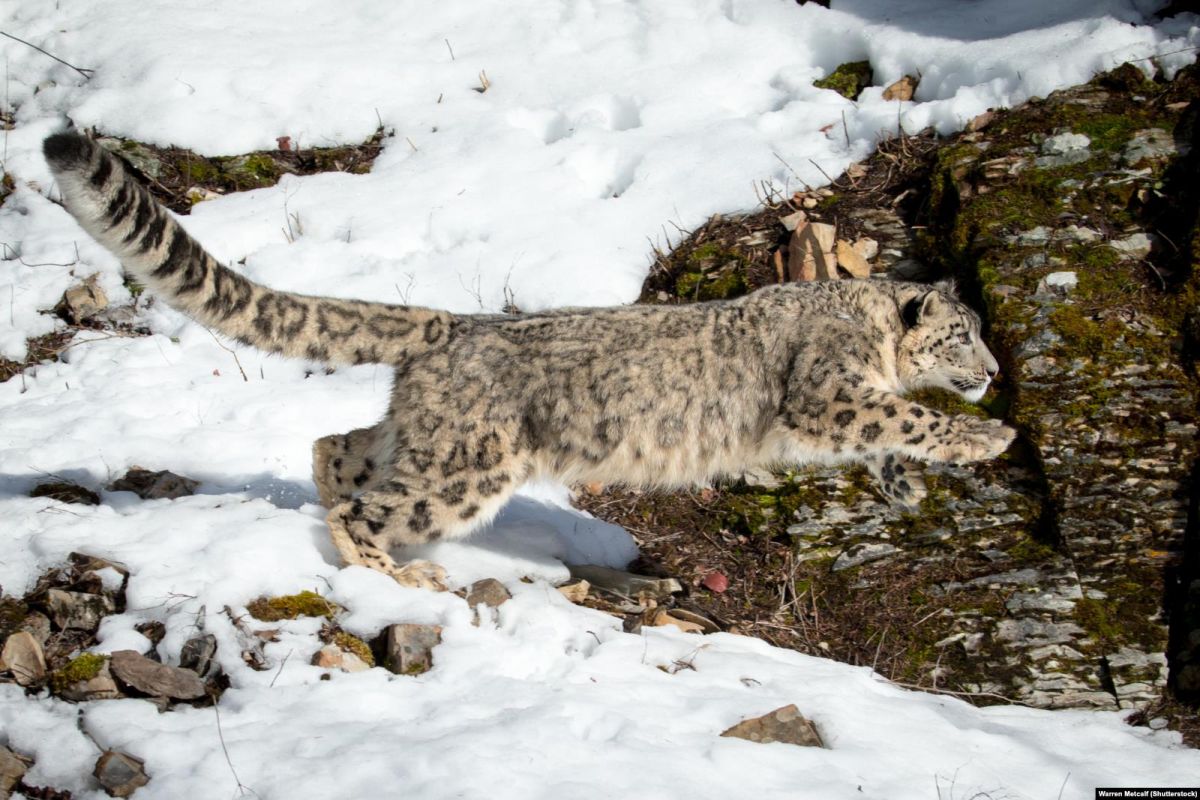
304	604
848	79
1108	132
81	668
1028	550
713	273
201	170
946	402
355	645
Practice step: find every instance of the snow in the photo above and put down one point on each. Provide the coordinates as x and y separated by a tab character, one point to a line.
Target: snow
607	128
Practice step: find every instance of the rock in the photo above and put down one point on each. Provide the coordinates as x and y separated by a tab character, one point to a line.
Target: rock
1137	245
851	260
198	654
489	592
981	121
151	678
37	624
858	554
715	582
810	252
687	621
100	686
848	79
625	583
120	773
421	574
575	590
65	492
902	89
23	657
12	770
784	724
793	220
154	485
1057	284
82	302
77	610
408	648
1148	147
152	630
333	657
1063	150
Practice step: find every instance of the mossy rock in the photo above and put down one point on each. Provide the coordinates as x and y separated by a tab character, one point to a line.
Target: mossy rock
303	604
79	669
848	79
352	644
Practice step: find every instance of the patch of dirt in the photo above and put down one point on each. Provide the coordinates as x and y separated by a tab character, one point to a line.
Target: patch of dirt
179	178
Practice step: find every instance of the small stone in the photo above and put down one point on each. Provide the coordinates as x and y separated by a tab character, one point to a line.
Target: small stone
715	582
489	592
625	583
851	260
154	679
866	247
662	617
333	657
82	301
154	485
594	488
575	590
77	610
198	654
23	657
12	768
902	89
198	194
784	724
408	648
120	773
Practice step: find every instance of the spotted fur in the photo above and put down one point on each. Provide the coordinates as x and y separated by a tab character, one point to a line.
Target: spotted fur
650	395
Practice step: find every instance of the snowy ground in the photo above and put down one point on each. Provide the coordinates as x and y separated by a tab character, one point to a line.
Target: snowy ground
608	126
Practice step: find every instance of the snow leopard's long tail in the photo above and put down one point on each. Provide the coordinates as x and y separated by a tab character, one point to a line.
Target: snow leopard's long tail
116	209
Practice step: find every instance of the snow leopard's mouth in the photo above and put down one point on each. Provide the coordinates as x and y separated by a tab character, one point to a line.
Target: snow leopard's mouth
971	390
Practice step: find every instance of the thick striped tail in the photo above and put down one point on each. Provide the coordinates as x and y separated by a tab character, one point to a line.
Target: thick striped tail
118	212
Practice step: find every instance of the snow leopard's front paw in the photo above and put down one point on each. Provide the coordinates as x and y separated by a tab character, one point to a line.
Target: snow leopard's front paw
967	439
900	479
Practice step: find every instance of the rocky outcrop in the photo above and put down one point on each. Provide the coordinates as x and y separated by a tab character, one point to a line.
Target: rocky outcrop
1040	577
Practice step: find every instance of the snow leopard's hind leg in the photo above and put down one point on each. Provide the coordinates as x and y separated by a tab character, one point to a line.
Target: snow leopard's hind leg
342	464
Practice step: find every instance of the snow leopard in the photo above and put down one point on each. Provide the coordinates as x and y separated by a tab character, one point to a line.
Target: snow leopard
650	395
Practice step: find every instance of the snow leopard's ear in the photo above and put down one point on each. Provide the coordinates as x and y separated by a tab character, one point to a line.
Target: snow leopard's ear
948	286
920	307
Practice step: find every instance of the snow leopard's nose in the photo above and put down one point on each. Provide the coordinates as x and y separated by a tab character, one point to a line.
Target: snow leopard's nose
989	363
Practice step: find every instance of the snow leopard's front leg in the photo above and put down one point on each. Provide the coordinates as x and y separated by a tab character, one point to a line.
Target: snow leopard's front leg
861	424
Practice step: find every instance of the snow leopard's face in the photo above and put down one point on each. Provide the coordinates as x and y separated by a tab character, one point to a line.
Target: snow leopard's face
943	348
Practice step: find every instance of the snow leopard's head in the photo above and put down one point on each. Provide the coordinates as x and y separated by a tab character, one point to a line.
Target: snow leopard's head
942	346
